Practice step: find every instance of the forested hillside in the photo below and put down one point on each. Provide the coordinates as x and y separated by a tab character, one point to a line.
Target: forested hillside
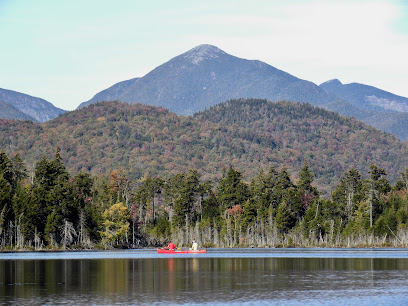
296	132
378	108
242	173
55	210
247	134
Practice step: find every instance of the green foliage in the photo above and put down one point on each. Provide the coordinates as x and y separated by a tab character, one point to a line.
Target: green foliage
146	196
49	173
321	218
231	189
250	214
5	168
116	225
185	188
149	141
349	193
52	228
59	210
263	189
162	227
285	218
211	209
386	224
360	222
377	185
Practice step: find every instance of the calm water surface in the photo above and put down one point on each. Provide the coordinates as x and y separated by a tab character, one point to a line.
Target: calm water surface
222	276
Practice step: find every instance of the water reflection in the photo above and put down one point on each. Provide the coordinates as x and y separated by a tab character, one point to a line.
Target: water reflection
201	280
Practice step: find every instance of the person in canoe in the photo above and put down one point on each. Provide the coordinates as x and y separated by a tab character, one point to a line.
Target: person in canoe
171	246
194	247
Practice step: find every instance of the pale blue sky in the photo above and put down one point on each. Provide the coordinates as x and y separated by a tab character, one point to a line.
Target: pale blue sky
67	51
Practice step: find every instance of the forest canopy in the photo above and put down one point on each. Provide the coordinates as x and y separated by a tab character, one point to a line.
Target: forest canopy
52	209
246	134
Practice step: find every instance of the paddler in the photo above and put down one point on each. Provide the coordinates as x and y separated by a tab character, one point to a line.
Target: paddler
171	246
194	247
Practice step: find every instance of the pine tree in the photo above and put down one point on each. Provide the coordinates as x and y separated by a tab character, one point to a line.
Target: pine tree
307	193
377	185
187	192
231	189
264	193
348	194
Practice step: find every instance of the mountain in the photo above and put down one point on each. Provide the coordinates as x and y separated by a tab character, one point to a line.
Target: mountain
378	108
247	134
367	97
8	111
205	76
112	93
37	109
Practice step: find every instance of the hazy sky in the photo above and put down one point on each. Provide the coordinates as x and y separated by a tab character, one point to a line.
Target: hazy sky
67	51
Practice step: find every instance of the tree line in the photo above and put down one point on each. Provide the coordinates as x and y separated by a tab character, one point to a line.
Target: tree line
51	209
147	140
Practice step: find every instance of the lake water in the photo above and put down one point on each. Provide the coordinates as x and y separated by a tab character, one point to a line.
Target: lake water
222	276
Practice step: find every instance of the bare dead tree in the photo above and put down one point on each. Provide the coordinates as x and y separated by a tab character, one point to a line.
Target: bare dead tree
68	233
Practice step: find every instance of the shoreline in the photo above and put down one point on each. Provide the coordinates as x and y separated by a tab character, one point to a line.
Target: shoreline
208	248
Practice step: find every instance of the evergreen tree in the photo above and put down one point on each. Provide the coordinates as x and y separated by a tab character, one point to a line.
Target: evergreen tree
186	192
231	189
18	170
210	208
307	193
263	193
285	219
6	168
377	185
348	194
5	207
52	228
305	180
404	179
249	214
52	200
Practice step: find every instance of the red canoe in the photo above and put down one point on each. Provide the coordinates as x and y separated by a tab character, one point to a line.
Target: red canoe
163	251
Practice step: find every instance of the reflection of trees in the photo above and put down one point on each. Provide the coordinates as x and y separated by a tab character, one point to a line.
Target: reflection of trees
113	275
174	280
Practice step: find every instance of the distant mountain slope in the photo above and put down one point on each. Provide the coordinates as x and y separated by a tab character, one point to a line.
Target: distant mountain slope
248	134
378	108
205	76
394	123
112	93
38	109
367	97
8	111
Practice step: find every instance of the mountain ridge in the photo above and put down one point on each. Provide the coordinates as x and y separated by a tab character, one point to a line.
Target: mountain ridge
247	134
38	109
206	75
366	96
8	111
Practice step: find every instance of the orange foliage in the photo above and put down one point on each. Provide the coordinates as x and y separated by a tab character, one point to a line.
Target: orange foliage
236	210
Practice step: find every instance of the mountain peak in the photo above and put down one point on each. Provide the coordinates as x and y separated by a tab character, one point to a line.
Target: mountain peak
332	82
202	52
